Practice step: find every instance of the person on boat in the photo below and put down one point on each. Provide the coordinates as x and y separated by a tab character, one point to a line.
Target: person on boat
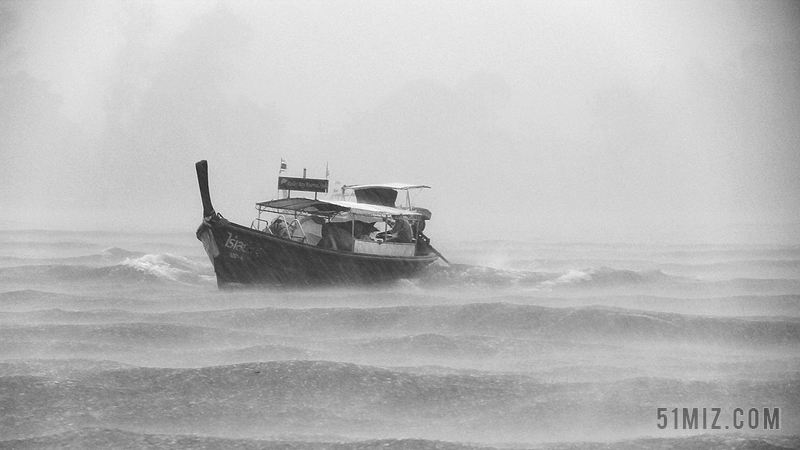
418	227
336	237
363	230
400	232
279	228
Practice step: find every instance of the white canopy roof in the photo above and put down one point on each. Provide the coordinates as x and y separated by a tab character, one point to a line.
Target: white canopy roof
366	209
330	208
398	186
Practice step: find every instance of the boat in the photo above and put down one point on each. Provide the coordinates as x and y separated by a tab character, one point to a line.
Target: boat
303	241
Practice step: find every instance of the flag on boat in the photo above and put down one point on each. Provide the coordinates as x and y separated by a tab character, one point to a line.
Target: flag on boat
283	166
327	172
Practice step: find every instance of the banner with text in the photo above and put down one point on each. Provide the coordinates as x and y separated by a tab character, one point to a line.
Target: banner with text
302	184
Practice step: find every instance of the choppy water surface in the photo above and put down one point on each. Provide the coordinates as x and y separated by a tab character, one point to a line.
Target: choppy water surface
123	340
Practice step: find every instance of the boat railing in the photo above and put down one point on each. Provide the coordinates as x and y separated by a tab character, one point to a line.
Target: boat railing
257	222
293	227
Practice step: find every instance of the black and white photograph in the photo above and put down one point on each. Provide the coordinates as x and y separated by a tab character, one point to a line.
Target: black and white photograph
400	225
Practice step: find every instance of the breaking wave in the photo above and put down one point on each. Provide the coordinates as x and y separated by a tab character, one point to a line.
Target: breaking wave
109	256
480	276
132	269
169	267
603	279
608	277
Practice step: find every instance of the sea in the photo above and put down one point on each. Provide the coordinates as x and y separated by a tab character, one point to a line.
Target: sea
123	340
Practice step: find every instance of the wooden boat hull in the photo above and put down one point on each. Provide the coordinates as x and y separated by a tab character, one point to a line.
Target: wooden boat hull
244	256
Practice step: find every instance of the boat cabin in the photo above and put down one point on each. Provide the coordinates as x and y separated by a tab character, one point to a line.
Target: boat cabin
371	223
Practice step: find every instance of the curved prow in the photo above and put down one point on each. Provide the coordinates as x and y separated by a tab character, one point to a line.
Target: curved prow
202	180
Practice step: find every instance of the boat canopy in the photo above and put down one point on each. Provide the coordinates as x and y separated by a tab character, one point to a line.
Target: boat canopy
331	208
397	186
382	194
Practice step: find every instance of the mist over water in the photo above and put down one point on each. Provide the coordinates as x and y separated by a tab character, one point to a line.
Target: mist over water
608	119
124	340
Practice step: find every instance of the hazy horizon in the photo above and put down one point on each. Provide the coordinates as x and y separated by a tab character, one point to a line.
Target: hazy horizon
606	120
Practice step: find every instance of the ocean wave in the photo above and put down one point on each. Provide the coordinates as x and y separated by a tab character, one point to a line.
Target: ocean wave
146	268
436	327
30	300
117	438
424	327
602	277
106	257
601	280
324	397
135	268
610	277
57	368
158	335
432	345
55	273
480	276
170	267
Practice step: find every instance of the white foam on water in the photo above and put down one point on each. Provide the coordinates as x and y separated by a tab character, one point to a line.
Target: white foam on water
165	266
571	277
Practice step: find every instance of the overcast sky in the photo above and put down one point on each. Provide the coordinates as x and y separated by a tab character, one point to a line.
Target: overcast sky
596	120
